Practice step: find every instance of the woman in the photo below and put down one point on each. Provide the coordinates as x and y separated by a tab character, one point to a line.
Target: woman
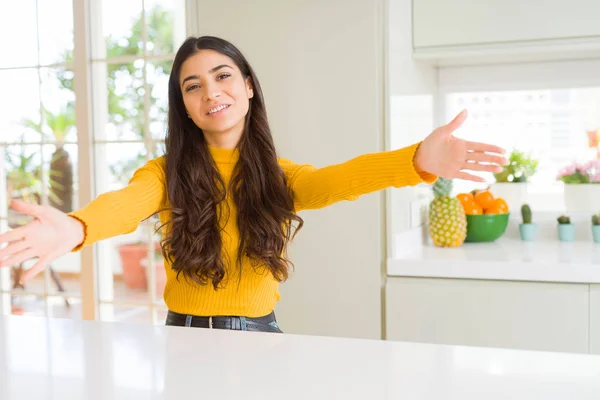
228	205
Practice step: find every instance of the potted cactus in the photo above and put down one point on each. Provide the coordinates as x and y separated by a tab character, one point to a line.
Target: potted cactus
527	229
566	230
596	227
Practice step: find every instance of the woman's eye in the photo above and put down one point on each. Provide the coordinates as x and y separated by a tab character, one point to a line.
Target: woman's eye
223	76
192	87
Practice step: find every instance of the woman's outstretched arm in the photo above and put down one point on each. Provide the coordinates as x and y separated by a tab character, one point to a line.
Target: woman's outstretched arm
440	154
53	233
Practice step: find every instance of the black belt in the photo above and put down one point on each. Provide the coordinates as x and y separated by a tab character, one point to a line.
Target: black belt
267	323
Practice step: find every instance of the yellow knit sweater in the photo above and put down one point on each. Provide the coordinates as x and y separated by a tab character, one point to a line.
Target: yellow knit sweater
120	212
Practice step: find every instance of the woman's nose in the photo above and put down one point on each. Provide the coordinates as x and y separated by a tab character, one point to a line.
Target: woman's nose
212	93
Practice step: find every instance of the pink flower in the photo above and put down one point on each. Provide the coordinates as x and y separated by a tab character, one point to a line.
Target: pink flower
581	172
566	171
592	167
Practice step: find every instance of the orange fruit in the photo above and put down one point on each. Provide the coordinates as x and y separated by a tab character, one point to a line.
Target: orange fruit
495	210
465	198
501	204
485	199
473	209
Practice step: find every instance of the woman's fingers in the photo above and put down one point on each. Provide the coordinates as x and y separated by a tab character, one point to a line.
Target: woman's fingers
484	147
12	248
18	258
458	120
14	235
486	158
468	177
36	269
482	167
32	209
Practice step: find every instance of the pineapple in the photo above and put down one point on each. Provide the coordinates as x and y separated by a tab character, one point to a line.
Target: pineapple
447	219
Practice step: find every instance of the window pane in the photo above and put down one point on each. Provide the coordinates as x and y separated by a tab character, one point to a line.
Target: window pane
60	307
116	163
61	177
30	305
58	102
23	171
158	81
18	31
124	96
56	30
549	125
64	275
166	25
5	299
159	149
121	271
131	270
122	266
20	105
121	27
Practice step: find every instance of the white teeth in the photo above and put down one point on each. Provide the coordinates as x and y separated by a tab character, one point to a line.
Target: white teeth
216	109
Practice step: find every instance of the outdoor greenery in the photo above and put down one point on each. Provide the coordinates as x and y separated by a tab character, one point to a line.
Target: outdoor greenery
125	84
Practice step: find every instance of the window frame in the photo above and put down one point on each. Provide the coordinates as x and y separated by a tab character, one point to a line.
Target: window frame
87	32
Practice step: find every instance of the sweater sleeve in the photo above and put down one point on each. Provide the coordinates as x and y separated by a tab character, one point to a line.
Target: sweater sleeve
121	211
314	188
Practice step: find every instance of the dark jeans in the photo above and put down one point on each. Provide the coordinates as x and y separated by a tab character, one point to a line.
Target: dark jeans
267	323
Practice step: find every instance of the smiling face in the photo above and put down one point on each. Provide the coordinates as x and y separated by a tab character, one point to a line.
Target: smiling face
216	96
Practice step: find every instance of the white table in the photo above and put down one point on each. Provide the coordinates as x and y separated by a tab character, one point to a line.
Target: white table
65	359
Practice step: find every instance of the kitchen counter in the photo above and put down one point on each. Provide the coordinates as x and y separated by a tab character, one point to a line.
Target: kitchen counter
505	259
66	359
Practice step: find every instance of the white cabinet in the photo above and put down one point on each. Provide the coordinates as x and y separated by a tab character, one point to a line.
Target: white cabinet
463	22
443	28
519	315
595	319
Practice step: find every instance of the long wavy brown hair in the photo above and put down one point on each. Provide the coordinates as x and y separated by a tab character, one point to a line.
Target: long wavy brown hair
197	194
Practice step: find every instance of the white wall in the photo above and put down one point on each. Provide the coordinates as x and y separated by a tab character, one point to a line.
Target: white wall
412	88
320	66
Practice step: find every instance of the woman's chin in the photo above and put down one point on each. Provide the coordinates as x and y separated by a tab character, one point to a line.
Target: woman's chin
220	129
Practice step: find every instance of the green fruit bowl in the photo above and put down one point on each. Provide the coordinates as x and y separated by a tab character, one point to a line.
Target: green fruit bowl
486	228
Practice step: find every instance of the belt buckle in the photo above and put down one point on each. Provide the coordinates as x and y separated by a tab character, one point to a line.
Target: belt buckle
210	323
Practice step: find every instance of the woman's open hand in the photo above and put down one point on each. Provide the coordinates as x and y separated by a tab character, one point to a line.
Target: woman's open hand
443	154
50	235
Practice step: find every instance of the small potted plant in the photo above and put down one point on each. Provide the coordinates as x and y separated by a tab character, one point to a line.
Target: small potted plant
566	230
520	168
596	227
581	185
512	182
527	229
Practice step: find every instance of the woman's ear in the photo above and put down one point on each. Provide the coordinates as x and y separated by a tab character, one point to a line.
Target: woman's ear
249	89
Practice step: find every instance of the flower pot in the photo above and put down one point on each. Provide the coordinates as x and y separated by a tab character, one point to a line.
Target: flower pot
528	232
566	232
160	274
133	256
583	197
515	194
134	273
596	233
